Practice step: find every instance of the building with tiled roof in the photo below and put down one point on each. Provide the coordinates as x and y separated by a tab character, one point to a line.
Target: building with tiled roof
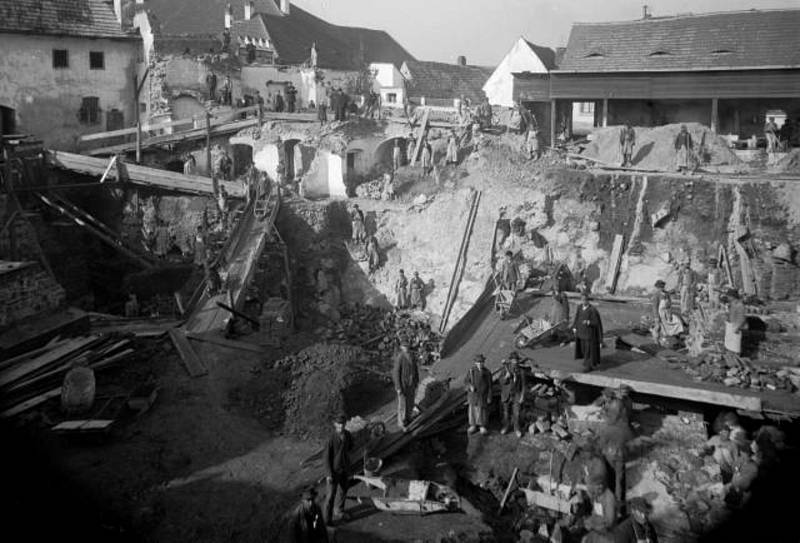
278	32
441	83
67	68
524	58
724	70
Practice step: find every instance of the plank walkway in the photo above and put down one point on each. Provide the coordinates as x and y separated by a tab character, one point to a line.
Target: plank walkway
244	254
644	374
142	175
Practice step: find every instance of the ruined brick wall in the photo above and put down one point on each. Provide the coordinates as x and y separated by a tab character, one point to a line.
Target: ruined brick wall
18	241
26	290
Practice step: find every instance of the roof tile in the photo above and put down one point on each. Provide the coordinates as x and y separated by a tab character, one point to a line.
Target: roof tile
89	18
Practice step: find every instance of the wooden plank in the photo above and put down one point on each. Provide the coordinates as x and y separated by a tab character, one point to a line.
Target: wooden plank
229	343
194	365
748	286
420	133
614	263
30	403
692	394
722	259
69	349
85	425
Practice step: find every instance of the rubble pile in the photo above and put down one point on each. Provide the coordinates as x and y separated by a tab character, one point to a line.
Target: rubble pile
735	371
321	374
790	163
380	331
655	147
371	189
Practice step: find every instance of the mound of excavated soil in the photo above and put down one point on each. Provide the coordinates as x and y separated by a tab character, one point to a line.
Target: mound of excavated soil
790	163
321	375
655	147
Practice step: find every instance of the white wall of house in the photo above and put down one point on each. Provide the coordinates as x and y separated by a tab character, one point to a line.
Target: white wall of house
499	88
325	177
254	78
389	82
267	159
48	100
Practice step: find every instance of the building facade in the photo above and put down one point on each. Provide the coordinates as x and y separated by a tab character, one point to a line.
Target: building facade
66	71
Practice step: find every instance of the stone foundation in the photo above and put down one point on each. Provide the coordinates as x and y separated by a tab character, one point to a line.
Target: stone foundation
26	290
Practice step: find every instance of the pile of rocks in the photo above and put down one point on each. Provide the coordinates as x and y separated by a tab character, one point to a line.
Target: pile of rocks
380	331
371	189
735	371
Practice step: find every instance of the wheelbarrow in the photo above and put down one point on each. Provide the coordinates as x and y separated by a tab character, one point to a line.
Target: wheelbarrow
533	332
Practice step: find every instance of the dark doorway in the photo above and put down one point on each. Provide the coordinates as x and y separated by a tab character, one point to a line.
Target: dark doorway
242	158
8	120
289	168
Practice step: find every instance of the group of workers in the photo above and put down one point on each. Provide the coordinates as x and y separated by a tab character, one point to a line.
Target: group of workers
409	294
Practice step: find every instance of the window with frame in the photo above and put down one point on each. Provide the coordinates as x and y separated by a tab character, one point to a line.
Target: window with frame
391	98
90	110
97	60
60	58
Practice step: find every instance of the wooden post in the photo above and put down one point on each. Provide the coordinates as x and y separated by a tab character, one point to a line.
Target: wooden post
260	115
208	143
138	143
605	112
553	121
714	115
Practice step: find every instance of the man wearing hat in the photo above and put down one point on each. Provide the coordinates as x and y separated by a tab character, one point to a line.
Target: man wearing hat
637	527
479	394
713	283
337	461
588	330
405	375
512	392
736	322
306	524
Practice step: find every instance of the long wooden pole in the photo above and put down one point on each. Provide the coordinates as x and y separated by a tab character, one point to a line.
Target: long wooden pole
208	144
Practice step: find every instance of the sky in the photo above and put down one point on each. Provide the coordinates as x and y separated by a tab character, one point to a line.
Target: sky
484	30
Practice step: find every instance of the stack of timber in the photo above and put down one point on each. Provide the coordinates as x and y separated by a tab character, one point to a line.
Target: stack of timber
139	327
30	379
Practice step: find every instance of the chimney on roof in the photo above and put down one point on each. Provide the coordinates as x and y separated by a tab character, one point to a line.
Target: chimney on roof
286	7
228	16
249	9
461	60
646	12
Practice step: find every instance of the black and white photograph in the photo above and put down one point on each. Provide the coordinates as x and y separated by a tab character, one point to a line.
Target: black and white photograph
431	271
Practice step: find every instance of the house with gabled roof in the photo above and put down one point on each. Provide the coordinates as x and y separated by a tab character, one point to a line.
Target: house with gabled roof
525	59
725	70
441	84
66	69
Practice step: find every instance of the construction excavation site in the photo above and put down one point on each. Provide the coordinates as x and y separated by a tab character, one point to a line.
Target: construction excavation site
210	324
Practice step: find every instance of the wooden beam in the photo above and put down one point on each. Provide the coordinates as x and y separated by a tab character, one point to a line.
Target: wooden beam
605	111
614	263
421	133
714	115
110	165
222	342
194	365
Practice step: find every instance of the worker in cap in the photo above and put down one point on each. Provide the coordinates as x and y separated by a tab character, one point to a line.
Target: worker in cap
637	527
735	323
306	523
713	284
478	383
655	300
405	376
337	462
512	393
603	518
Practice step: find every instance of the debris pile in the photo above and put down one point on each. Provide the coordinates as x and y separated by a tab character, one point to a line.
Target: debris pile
655	147
321	374
379	330
790	163
735	371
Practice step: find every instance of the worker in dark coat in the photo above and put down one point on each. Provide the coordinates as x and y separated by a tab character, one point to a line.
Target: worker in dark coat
306	524
479	395
337	462
512	392
405	375
683	149
637	527
417	292
588	330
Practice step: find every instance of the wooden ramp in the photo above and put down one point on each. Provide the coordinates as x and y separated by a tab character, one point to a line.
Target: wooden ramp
141	175
244	253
